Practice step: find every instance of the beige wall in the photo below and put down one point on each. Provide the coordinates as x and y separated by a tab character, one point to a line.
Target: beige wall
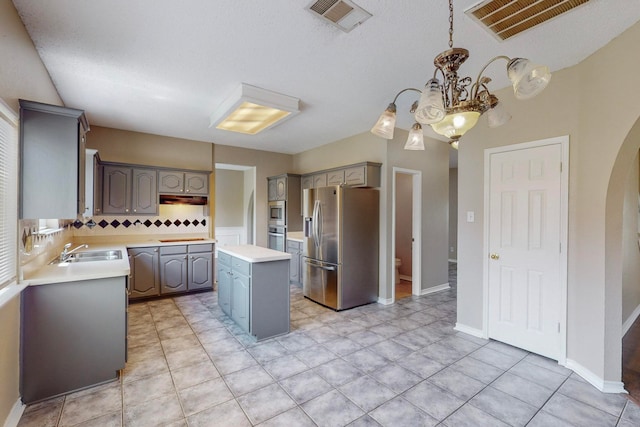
229	198
592	104
115	145
267	164
453	214
22	76
631	248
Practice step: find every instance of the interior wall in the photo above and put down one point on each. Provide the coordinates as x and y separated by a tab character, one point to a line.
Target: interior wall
229	198
453	214
249	204
23	76
580	102
404	224
631	246
122	146
267	164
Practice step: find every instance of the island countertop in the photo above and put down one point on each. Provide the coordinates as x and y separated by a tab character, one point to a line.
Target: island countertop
253	254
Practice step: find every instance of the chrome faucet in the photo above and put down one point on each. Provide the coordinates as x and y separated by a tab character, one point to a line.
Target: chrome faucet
64	255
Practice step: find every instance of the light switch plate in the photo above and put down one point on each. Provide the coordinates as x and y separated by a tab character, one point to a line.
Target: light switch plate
470	216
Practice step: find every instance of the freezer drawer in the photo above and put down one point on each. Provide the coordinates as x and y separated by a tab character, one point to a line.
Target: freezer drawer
320	282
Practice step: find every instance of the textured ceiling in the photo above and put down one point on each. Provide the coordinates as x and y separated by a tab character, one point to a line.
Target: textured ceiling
162	67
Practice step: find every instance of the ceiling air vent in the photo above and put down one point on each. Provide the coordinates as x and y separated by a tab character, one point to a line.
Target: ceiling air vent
506	18
344	14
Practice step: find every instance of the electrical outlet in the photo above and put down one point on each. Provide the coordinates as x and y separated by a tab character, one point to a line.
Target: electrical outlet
451	249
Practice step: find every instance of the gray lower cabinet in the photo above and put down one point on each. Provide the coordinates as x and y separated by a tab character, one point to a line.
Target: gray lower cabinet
145	280
295	267
186	268
73	336
255	295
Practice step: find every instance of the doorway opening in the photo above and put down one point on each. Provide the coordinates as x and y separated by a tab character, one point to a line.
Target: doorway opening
235	217
406	233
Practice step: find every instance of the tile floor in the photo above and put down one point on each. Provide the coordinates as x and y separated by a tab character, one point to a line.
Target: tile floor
397	365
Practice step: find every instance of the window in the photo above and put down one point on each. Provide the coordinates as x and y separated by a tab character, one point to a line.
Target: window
8	194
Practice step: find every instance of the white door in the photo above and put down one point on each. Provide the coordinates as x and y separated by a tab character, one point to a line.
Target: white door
525	282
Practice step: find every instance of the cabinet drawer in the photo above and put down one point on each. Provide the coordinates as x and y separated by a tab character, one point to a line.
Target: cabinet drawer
224	258
171	250
205	247
241	266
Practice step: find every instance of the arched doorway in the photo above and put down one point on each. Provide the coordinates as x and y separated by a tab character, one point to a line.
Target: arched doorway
614	252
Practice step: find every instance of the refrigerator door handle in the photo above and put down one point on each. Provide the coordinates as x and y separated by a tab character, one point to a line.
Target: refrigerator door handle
322	267
316	230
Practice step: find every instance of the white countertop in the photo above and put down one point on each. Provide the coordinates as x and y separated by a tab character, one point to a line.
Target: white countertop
72	272
254	254
298	236
88	270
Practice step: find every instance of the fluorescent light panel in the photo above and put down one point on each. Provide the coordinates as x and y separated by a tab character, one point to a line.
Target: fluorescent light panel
250	110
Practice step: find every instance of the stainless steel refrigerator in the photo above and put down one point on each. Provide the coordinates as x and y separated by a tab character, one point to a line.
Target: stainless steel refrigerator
341	236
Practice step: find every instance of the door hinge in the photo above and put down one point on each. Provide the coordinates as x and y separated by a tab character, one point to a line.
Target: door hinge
558	327
560	166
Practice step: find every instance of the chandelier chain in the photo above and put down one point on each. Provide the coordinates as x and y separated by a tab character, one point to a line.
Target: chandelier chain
450	24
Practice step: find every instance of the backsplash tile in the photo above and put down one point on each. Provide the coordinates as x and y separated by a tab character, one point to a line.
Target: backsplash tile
38	247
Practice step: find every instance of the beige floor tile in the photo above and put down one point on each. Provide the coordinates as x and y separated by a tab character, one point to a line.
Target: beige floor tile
191	375
156	412
92	405
148	388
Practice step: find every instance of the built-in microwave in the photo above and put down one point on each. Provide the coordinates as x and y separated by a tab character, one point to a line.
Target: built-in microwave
277	214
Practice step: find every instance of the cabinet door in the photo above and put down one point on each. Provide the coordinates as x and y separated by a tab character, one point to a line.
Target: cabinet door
294	265
97	186
335	178
240	299
281	188
116	196
224	287
272	190
355	176
170	182
173	273
196	183
320	180
144	195
307	181
200	270
144	272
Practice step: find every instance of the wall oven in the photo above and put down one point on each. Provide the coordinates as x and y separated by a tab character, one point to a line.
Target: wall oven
277	214
277	238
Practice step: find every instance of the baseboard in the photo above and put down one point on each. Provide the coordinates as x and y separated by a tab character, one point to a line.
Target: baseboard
407	278
595	380
629	322
433	289
453	260
469	330
14	416
385	301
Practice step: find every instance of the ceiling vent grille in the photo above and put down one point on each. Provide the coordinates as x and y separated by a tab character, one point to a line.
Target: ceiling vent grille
506	18
343	14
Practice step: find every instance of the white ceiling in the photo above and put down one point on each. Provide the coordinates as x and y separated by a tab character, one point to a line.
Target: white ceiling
163	66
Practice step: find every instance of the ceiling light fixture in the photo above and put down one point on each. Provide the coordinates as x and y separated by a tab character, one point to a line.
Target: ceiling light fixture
251	110
453	106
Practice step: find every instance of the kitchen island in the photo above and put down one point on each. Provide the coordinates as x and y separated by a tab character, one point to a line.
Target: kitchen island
253	289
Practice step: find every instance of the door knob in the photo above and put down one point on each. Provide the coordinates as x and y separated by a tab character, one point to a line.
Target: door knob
494	256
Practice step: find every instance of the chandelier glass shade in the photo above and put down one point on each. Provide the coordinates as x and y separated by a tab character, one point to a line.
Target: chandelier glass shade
453	105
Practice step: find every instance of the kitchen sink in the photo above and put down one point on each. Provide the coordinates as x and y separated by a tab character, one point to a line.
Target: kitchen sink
107	255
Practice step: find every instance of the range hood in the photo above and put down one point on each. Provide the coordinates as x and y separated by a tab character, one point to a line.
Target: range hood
180	199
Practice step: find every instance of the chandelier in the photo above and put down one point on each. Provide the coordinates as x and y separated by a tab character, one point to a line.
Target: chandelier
453	106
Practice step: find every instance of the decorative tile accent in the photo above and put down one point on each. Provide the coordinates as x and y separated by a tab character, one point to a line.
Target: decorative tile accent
126	223
157	223
167	223
103	223
147	223
115	223
195	222
177	222
187	222
77	223
91	223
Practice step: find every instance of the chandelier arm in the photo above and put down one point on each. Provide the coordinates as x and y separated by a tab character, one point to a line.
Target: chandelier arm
491	61
405	90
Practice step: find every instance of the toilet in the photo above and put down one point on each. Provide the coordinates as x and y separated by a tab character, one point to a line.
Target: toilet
398	264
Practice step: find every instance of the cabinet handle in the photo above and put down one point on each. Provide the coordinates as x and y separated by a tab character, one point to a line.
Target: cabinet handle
126	210
188	191
135	210
155	250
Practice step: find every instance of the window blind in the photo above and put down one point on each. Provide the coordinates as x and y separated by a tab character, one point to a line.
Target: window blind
8	194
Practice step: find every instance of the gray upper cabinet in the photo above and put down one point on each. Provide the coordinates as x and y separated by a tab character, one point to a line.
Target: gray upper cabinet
52	161
278	187
181	182
128	190
366	174
98	174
